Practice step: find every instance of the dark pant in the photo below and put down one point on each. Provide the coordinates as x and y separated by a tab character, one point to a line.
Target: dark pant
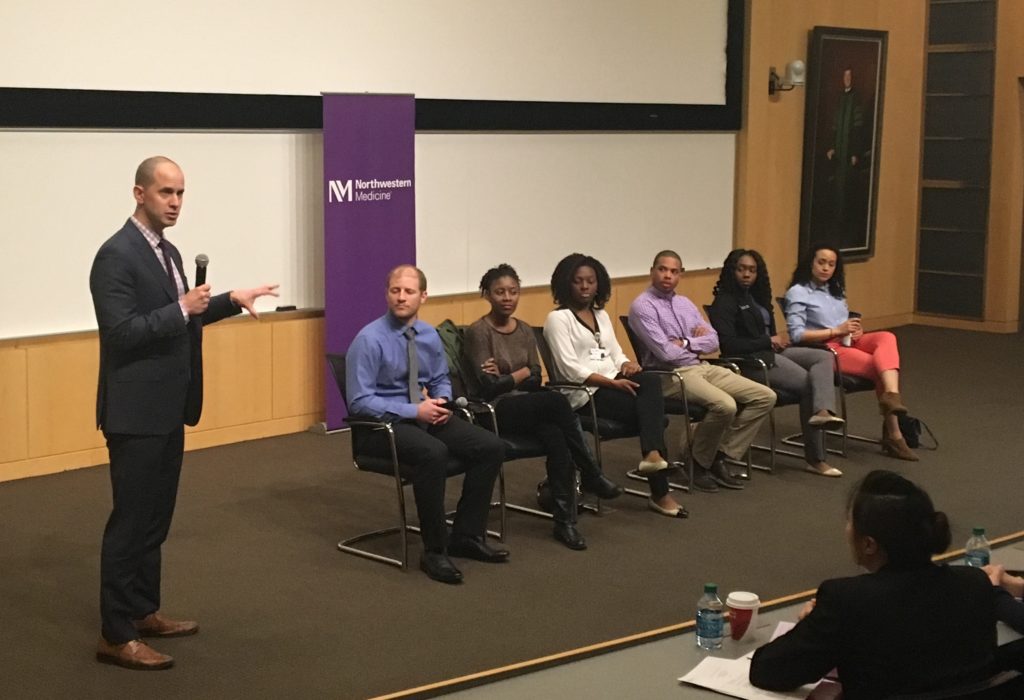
548	415
424	454
144	472
644	413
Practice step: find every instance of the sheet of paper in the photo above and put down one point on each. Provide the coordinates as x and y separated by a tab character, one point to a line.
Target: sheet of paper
730	677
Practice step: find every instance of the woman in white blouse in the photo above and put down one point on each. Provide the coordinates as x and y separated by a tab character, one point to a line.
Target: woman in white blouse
585	351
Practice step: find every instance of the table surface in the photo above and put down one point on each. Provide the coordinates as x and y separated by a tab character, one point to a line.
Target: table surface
650	670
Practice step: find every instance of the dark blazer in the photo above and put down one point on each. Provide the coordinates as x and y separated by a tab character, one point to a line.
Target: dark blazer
151	361
740	327
889	632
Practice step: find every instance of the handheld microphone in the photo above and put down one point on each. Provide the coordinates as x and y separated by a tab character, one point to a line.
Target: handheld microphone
202	260
453	404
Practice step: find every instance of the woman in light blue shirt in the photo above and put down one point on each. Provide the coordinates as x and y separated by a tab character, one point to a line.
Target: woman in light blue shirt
816	312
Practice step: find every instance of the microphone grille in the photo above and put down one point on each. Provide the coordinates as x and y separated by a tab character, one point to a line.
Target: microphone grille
461	402
202	260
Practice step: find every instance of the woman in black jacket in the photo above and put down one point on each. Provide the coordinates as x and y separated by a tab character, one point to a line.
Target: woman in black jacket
742	314
908	625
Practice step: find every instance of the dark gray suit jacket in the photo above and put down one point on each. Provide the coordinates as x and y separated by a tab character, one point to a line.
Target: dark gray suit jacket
151	360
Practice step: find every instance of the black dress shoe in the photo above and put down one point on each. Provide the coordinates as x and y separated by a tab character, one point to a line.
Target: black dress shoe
722	477
439	567
601	486
475	548
567	534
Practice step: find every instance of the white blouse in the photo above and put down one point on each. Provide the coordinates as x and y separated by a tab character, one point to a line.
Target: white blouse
578	353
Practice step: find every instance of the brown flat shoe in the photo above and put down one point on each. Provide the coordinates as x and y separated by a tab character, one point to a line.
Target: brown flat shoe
156	625
135	654
897	447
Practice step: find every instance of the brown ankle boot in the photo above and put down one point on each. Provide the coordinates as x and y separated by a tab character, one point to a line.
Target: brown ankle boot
890	402
897	447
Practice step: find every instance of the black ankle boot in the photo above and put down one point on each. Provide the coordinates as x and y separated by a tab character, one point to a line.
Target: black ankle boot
600	485
567	534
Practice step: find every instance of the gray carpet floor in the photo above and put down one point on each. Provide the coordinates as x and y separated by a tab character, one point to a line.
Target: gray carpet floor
252	553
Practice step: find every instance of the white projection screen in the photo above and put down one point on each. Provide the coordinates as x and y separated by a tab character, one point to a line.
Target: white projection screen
254	198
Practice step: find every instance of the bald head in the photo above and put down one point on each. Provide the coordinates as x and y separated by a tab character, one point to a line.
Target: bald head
146	172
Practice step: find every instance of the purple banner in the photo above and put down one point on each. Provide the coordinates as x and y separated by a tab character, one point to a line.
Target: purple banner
369	213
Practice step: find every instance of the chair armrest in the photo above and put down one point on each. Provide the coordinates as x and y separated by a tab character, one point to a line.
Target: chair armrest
722	362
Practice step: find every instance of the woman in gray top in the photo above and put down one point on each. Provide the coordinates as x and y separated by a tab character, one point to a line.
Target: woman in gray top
503	354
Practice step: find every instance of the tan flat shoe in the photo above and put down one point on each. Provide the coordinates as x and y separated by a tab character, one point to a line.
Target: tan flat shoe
827	471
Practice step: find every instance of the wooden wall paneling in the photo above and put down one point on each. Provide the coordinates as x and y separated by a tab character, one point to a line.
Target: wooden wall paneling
13	405
298	367
62	397
237	366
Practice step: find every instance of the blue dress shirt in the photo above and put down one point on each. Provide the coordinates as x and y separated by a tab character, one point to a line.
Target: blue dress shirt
810	307
377	369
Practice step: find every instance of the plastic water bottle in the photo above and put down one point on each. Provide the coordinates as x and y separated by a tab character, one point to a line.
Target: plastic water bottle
979	552
710	622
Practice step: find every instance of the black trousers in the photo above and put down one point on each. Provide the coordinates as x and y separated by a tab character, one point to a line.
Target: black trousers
644	413
548	415
425	452
144	473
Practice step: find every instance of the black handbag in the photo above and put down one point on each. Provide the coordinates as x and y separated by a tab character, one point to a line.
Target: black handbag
912	429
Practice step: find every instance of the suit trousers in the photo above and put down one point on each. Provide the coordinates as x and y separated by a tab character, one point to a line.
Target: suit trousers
144	473
810	374
424	453
736	407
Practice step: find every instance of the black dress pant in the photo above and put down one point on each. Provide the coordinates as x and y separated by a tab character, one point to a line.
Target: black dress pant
144	473
548	415
424	453
644	413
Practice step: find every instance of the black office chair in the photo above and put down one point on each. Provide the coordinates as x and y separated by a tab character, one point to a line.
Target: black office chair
754	368
1007	685
602	428
845	384
387	466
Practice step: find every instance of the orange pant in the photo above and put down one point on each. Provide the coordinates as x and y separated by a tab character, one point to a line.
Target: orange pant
869	356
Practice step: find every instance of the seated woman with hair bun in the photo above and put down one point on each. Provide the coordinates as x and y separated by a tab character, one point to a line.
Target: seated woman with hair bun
503	353
908	625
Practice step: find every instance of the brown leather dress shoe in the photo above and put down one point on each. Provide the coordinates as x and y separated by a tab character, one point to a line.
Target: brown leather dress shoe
891	402
156	625
135	654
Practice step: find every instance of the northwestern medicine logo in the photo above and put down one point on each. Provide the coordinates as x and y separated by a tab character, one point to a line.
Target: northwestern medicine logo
363	190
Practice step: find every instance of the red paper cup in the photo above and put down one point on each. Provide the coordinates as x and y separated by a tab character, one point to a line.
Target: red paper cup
743	607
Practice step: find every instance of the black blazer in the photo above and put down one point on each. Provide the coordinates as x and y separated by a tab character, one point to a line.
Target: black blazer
151	361
890	632
740	327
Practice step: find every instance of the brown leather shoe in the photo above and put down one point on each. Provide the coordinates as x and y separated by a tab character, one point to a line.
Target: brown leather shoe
156	625
135	654
897	447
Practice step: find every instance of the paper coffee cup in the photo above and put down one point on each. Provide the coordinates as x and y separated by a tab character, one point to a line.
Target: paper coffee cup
743	607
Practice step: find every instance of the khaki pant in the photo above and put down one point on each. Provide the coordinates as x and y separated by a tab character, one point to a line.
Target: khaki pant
736	407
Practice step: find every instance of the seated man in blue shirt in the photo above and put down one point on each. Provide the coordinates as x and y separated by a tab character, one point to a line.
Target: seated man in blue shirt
390	363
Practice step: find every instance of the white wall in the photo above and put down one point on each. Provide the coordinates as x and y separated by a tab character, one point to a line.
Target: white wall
653	51
254	200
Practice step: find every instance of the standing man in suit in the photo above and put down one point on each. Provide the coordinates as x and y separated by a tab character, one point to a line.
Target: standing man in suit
389	364
150	387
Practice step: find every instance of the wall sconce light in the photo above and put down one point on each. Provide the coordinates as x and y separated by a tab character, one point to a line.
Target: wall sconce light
796	73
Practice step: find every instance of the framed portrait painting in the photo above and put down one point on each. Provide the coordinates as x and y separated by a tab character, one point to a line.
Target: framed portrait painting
842	139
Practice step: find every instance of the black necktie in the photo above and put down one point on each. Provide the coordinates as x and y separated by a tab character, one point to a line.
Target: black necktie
167	261
415	395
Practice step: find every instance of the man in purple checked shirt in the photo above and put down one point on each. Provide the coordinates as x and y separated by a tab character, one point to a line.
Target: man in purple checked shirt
673	335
